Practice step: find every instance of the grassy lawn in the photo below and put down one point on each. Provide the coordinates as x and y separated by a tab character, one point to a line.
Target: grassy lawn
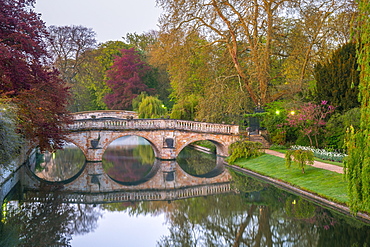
317	159
330	185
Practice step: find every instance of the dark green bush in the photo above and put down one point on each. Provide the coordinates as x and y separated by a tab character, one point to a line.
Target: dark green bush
244	149
337	126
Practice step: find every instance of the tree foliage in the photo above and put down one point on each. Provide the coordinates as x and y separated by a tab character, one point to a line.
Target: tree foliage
271	44
187	67
357	166
275	121
299	157
26	78
90	85
337	126
244	149
151	107
126	80
70	46
67	45
338	78
311	119
10	140
157	77
203	83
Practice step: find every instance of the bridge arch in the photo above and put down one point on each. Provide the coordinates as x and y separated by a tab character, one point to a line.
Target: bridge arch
77	144
221	148
124	134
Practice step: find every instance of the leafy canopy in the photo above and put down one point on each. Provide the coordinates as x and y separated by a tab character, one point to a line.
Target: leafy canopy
151	107
126	79
338	78
357	166
26	77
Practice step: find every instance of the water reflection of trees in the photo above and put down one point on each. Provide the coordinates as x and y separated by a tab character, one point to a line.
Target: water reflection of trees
61	165
128	164
196	163
260	215
46	223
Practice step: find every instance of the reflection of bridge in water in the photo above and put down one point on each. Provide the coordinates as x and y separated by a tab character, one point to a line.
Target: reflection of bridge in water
166	181
93	132
134	196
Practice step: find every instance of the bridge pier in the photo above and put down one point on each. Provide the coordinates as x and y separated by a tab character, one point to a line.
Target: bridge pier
167	154
94	154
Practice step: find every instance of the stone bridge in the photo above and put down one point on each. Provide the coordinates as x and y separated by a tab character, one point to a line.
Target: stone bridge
93	134
166	181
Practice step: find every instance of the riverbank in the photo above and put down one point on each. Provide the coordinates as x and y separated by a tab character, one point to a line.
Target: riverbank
334	196
9	175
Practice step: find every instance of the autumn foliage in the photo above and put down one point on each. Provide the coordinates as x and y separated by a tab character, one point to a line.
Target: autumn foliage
26	78
126	79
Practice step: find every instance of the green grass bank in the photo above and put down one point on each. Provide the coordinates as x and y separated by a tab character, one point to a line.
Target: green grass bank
327	184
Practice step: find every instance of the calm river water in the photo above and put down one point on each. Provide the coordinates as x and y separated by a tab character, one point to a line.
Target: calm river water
258	215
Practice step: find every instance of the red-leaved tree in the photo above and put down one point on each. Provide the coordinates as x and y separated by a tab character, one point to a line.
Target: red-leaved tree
26	78
311	119
126	80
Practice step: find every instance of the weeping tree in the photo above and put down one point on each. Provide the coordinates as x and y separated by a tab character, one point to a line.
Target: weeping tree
151	107
299	157
357	166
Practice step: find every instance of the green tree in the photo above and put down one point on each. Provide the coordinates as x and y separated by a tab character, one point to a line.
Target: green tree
203	81
275	121
299	157
90	82
337	78
187	67
271	44
136	101
357	166
151	107
244	149
338	124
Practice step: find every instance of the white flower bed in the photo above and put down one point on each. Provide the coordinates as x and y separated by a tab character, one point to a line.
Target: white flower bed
322	153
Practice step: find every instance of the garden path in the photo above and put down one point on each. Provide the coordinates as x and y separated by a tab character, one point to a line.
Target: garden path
316	164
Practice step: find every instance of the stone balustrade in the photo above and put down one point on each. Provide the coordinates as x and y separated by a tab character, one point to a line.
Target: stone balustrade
152	124
105	113
125	196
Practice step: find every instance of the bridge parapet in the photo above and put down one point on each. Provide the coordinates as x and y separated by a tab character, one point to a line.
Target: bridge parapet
152	124
132	196
105	113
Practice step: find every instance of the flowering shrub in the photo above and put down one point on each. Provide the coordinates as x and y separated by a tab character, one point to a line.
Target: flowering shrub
322	153
311	119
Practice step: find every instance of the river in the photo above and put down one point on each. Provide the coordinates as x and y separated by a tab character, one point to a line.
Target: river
253	214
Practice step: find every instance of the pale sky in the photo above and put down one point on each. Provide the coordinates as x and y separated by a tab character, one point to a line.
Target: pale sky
110	19
117	229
